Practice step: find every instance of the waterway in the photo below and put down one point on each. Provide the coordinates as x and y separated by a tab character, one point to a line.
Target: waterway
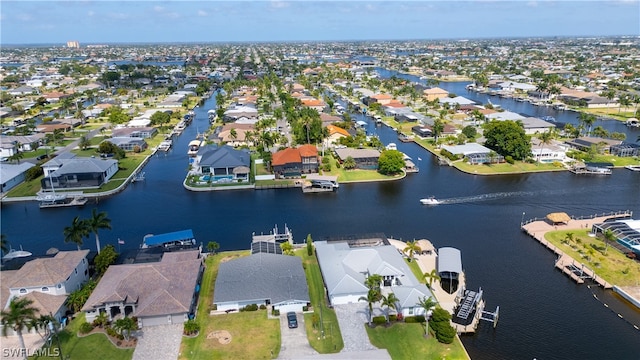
543	314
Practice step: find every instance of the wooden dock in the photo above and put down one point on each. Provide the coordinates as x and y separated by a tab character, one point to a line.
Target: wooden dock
575	270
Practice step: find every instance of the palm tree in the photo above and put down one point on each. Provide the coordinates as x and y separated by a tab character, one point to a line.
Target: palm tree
609	236
124	326
212	246
545	139
84	143
569	237
18	315
97	221
438	128
373	296
373	282
390	302
412	247
427	303
433	275
76	232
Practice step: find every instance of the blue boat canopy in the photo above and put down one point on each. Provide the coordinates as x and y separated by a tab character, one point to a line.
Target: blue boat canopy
182	235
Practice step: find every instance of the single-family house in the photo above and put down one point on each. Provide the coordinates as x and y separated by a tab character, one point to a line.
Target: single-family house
335	134
625	149
328	119
317	105
77	173
47	281
293	162
548	153
129	143
364	158
345	266
584	143
262	279
435	93
158	293
456	100
474	153
223	162
533	125
135	132
12	175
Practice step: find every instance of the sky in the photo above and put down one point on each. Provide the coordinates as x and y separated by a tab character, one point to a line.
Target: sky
142	21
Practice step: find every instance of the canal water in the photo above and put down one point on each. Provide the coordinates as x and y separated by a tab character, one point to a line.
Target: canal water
543	314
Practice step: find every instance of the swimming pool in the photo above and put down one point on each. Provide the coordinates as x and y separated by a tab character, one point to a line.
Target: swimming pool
217	178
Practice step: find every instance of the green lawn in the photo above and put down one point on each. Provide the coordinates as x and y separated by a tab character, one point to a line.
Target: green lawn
254	336
590	251
332	341
95	346
406	341
415	269
355	175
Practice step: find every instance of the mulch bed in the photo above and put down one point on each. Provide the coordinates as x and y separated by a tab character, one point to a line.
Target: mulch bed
121	344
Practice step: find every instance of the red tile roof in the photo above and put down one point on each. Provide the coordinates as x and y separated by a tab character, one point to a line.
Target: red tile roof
308	150
286	156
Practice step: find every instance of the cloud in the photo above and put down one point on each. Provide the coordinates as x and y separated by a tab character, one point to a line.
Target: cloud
279	4
24	17
532	4
118	16
158	8
91	13
202	13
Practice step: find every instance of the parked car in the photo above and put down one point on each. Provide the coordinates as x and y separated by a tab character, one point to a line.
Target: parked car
292	320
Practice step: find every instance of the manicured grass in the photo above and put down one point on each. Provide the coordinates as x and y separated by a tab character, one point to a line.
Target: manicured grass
505	168
27	188
355	174
282	182
610	267
415	269
254	336
332	340
95	346
613	113
616	160
406	341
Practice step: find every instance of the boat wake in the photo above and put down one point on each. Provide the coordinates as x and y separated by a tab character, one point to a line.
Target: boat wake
484	197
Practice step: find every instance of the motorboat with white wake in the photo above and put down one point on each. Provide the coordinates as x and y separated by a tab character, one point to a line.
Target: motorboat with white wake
429	201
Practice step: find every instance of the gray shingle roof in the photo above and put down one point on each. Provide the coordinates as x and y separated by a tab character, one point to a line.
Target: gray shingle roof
261	276
225	157
85	165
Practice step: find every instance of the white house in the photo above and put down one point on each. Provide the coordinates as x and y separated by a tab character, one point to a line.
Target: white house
47	281
262	279
345	266
555	151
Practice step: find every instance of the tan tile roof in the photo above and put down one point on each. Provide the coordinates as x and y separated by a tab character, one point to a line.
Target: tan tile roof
48	271
165	287
46	303
6	279
337	130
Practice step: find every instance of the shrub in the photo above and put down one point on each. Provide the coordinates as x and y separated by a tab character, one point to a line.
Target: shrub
85	328
379	320
263	307
509	159
305	308
445	333
252	307
191	327
393	318
33	173
326	167
338	165
325	160
275	312
414	319
111	332
440	314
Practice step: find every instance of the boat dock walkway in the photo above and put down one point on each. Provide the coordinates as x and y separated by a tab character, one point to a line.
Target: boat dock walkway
427	261
576	271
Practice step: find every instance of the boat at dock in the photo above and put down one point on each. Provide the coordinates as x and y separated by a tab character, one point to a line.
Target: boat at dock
165	145
13	254
592	169
63	202
633	167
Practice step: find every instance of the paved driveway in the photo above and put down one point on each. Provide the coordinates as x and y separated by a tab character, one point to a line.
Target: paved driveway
352	319
160	342
294	343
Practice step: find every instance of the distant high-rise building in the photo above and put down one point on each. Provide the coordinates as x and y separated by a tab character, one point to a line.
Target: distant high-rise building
73	44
